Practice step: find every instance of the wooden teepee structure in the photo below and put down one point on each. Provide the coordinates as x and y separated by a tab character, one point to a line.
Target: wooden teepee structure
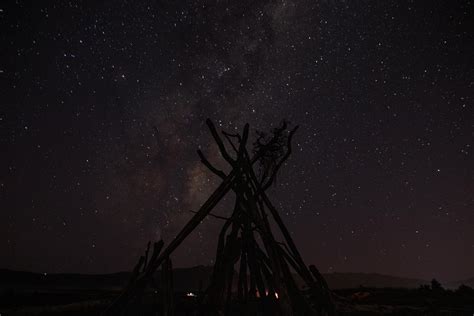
265	267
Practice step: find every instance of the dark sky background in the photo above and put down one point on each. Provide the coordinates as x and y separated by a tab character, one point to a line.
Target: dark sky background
381	178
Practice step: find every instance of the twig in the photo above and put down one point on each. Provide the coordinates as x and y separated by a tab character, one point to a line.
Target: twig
219	142
206	162
215	216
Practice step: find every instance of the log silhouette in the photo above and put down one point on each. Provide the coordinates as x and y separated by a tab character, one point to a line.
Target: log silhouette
246	239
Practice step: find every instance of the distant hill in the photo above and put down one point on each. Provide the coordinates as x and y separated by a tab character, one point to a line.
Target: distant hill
354	280
9	278
192	279
185	279
456	284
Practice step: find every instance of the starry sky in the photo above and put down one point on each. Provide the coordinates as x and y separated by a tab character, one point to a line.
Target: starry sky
103	105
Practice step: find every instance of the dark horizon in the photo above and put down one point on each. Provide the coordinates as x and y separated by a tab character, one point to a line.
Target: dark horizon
381	176
325	274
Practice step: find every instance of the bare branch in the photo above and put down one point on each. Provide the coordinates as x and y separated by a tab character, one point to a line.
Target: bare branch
282	160
236	135
206	162
228	137
215	216
146	255
156	133
243	142
219	142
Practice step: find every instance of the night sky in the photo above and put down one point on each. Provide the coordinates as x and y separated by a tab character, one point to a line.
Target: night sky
381	177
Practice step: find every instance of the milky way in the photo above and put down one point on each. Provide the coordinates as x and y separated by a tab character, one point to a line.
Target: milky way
103	108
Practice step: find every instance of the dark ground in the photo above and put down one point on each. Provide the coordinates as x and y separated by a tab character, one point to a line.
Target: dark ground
23	293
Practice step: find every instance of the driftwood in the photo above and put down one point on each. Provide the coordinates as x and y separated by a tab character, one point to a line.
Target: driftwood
137	283
246	241
167	287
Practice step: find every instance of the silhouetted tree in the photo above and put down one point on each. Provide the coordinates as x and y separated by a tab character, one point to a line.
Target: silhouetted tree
464	290
436	287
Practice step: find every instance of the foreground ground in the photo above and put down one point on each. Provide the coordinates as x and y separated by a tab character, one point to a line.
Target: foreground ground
23	293
361	301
